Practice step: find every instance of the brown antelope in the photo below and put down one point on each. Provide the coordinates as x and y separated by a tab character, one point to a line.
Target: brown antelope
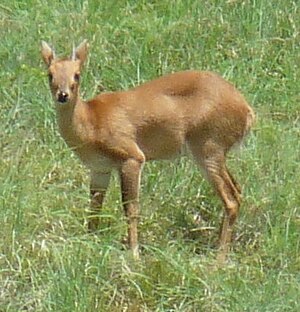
121	130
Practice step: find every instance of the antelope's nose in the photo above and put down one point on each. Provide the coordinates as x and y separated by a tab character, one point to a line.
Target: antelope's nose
62	97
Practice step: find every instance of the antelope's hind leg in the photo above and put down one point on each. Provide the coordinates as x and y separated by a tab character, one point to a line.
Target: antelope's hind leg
211	157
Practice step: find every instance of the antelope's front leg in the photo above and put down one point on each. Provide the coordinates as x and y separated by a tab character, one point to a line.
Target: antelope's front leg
130	174
98	187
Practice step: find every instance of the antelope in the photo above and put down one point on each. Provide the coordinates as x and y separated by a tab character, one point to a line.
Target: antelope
122	130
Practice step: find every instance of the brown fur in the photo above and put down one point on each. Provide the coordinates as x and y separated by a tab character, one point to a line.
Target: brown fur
155	120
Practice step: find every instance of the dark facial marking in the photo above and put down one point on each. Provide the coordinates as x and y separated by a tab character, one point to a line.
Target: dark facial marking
77	77
50	76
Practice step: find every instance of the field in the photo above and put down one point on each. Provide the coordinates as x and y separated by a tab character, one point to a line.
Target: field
49	262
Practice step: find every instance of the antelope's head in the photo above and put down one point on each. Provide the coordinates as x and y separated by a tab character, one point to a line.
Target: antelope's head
64	74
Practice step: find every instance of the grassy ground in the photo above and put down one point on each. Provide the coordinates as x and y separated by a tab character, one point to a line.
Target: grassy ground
48	262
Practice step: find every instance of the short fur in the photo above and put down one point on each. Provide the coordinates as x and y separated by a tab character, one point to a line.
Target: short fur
124	129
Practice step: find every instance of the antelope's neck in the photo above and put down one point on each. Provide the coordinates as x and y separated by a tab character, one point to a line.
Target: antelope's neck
65	119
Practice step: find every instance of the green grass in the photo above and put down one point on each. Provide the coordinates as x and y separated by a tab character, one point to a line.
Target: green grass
48	262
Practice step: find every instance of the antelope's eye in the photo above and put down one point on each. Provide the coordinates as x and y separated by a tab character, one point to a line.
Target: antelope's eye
50	76
76	77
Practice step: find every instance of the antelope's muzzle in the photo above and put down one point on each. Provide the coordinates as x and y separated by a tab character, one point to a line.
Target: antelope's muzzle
62	97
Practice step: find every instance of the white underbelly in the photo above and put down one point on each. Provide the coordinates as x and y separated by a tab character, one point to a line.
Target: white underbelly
96	162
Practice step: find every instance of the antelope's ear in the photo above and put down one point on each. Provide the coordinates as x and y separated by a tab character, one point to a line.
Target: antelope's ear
80	53
47	53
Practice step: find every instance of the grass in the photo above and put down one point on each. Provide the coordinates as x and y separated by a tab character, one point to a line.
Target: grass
48	262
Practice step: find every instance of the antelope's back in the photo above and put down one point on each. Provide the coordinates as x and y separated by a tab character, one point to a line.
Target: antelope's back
195	104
